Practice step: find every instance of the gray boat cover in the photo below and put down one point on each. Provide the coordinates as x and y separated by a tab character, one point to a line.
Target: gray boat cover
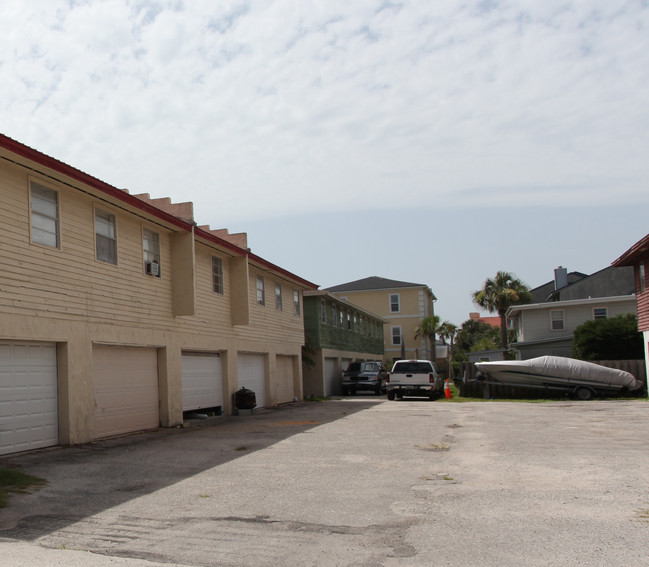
562	367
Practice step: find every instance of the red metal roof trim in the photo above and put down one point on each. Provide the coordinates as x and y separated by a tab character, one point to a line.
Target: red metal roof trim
78	175
630	256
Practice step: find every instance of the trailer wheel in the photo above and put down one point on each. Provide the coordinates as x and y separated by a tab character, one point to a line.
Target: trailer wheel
584	393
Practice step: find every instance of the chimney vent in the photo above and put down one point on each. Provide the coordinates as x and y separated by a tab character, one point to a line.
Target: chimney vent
560	278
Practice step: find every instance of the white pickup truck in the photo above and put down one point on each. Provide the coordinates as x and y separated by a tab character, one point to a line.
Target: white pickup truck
414	378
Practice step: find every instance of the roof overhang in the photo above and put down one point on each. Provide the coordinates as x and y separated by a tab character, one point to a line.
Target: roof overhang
44	165
516	309
633	254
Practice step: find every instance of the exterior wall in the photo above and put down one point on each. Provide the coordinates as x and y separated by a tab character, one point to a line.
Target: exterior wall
66	296
415	304
358	338
314	383
535	324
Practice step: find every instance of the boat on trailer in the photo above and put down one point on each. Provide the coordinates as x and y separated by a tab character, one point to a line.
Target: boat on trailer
583	379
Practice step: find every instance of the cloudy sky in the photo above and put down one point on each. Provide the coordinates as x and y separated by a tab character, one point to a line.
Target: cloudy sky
435	142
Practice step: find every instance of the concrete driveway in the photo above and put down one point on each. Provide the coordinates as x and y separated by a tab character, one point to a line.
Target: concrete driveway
357	481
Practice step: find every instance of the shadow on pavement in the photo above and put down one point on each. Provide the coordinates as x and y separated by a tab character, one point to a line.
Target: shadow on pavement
87	479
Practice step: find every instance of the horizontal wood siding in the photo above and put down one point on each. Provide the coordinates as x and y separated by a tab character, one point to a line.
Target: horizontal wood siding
643	311
69	282
267	322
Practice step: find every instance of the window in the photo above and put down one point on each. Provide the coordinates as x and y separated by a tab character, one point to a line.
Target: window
296	302
396	336
261	294
642	277
395	303
556	319
341	318
217	275
105	240
151	245
334	317
349	322
278	296
44	205
323	311
600	313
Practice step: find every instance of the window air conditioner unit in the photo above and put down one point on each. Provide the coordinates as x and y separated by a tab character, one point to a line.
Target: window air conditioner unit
153	268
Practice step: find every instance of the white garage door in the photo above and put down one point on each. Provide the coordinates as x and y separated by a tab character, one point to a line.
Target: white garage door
284	381
332	377
28	397
252	375
126	390
202	381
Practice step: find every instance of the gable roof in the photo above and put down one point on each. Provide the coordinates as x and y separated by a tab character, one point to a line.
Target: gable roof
55	168
374	283
544	292
639	250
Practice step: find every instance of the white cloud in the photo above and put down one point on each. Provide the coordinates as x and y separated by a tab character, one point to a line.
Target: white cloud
260	108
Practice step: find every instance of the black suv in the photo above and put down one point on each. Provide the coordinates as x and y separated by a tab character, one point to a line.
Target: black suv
368	375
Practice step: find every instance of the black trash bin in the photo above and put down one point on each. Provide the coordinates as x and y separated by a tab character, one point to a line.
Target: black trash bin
245	399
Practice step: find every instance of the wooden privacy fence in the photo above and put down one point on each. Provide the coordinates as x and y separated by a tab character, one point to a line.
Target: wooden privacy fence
470	388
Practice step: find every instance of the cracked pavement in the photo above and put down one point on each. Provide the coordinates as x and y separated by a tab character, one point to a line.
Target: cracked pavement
355	481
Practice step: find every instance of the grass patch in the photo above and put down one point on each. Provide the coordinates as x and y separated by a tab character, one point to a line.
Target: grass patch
317	399
434	447
17	482
241	448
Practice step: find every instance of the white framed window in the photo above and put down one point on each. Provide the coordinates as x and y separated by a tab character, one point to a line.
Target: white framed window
395	303
334	316
44	205
217	275
105	237
557	320
278	296
642	277
349	322
600	313
151	247
396	336
261	292
296	302
323	311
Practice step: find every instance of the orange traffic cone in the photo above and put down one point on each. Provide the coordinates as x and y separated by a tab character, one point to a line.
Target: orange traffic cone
447	390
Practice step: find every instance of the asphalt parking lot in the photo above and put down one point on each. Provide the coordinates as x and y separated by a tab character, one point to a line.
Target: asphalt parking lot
357	481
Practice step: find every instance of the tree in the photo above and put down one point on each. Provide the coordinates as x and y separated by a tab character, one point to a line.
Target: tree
499	294
608	339
448	330
428	329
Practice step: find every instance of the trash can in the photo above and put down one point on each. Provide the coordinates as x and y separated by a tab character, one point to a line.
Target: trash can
245	399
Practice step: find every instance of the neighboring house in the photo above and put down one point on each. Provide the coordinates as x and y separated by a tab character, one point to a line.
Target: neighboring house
339	333
118	312
404	305
546	328
637	257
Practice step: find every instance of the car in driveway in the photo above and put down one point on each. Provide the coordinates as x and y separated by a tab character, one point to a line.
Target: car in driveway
369	375
414	378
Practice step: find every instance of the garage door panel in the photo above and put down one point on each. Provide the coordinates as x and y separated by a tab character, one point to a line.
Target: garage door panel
332	385
28	396
252	375
202	381
284	388
126	390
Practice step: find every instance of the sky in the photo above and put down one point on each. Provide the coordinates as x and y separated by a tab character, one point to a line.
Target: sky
429	142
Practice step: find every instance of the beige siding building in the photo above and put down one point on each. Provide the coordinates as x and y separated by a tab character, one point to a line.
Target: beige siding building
404	305
118	312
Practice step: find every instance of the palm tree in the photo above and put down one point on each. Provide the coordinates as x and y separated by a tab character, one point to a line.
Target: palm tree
499	294
448	330
428	329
